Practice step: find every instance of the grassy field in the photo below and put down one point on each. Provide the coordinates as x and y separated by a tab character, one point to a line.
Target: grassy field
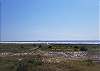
35	63
51	47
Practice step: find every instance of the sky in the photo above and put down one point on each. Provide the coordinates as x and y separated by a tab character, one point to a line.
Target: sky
27	20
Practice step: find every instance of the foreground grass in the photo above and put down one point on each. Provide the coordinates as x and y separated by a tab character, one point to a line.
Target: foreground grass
37	65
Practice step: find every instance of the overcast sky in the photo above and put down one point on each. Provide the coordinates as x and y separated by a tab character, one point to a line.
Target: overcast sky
49	20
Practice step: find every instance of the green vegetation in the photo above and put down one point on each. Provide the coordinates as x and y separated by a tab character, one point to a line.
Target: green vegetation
35	63
69	47
51	47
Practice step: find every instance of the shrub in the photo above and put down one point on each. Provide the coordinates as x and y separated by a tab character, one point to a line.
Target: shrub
83	49
49	46
35	62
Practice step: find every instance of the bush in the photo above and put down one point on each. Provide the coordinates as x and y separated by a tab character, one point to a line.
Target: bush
49	46
76	48
35	62
83	49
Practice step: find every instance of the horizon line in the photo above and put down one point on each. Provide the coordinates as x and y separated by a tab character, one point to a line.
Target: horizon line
52	41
